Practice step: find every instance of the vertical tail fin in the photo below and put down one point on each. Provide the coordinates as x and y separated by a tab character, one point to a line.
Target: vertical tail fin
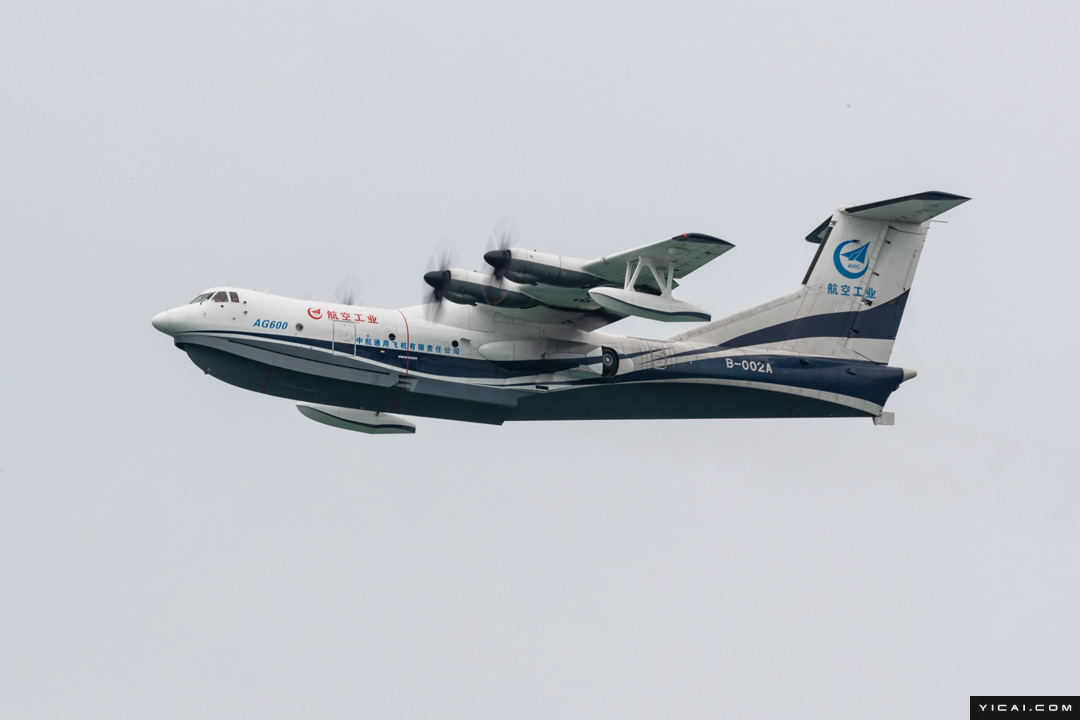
853	295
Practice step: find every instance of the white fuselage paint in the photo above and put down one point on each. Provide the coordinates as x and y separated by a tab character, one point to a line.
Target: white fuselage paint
394	343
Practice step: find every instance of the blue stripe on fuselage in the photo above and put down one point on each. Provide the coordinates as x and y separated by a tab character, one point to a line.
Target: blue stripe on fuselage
859	379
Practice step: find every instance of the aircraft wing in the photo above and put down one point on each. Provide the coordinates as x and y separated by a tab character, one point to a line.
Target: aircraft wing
554	290
576	308
483	317
585	319
688	252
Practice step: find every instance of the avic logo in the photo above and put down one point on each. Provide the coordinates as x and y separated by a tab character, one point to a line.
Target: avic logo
851	264
314	314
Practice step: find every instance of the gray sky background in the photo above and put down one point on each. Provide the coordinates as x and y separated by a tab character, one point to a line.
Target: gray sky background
174	547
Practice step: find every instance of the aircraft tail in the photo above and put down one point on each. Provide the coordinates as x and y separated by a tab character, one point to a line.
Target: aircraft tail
852	298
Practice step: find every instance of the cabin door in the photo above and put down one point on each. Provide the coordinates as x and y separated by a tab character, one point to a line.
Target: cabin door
344	342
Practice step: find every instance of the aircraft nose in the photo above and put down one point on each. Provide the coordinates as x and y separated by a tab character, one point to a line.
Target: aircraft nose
163	322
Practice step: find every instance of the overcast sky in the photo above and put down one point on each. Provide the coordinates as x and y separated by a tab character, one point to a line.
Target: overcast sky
174	547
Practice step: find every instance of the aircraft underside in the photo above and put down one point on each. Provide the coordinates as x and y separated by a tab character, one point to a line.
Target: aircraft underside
696	389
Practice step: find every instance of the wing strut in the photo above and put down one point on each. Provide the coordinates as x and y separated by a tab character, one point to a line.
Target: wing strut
633	271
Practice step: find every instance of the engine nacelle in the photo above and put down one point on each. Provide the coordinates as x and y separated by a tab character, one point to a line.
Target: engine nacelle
528	267
467	287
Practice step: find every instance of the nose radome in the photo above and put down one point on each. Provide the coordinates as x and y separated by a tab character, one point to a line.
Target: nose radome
163	322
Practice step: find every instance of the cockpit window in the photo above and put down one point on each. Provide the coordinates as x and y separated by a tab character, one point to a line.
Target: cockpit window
234	297
204	296
221	296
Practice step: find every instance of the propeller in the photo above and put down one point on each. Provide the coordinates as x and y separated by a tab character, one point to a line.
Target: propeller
502	239
348	291
438	278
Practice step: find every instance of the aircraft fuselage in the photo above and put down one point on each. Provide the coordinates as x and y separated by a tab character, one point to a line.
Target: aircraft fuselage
490	368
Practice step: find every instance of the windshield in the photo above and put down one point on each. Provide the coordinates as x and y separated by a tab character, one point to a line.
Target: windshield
222	296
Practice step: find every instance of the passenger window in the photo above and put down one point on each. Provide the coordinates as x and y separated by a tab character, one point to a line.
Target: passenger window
221	296
234	297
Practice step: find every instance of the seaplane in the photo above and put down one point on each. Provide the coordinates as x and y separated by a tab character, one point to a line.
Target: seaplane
525	340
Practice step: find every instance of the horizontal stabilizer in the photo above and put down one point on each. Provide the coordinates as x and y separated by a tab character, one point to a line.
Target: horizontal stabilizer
908	209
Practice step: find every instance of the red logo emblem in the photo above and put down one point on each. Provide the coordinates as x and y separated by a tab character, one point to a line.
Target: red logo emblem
315	314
